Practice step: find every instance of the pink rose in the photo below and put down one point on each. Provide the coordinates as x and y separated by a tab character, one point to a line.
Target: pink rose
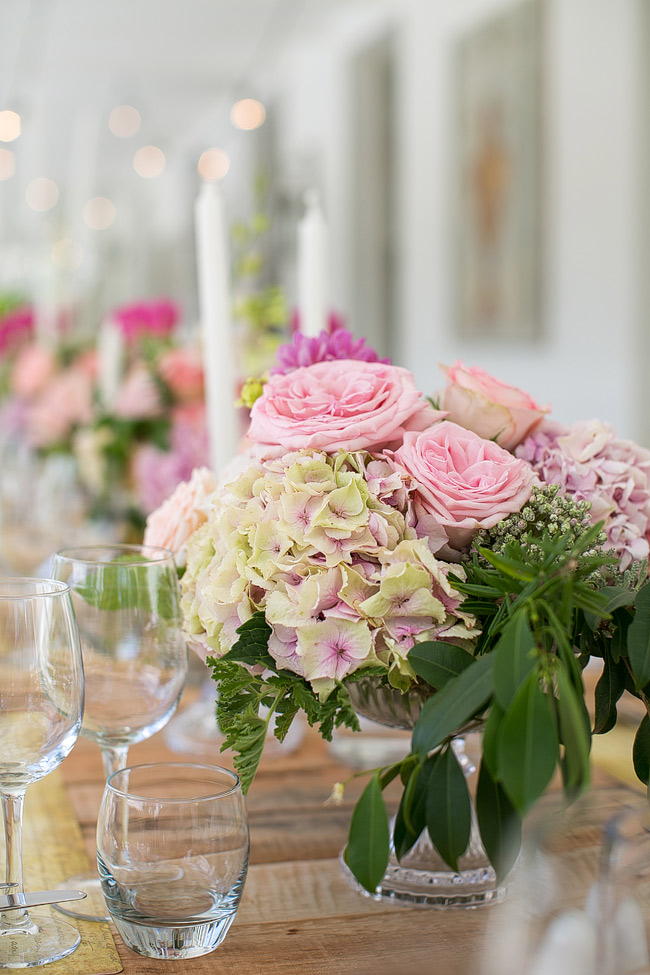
157	317
65	403
490	408
138	396
34	367
182	370
171	525
339	405
464	482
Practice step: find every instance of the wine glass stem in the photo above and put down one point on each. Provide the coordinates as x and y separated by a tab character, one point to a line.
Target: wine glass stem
114	758
12	814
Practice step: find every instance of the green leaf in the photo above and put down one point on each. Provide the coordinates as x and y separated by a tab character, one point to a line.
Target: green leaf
252	646
367	851
459	700
437	662
638	638
514	658
491	732
609	689
528	745
448	809
641	751
508	566
498	822
574	733
122	585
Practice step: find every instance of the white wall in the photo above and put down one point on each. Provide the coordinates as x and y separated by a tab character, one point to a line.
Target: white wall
587	363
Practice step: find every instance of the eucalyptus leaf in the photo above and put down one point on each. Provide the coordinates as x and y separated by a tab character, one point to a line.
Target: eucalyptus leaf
498	822
448	808
514	658
638	638
528	745
367	851
437	662
458	701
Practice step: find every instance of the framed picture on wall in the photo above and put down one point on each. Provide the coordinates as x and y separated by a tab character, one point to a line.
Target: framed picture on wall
497	213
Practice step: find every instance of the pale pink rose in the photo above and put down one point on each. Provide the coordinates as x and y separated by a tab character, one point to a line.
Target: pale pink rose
340	405
488	407
464	482
138	396
67	402
182	370
171	525
33	368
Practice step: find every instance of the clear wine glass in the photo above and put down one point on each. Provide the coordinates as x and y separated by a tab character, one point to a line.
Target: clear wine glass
127	602
41	704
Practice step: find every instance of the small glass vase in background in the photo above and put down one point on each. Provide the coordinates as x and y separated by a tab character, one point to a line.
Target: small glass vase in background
172	855
422	876
580	895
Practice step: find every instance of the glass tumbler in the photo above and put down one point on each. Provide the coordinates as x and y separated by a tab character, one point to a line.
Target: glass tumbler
172	855
41	702
127	602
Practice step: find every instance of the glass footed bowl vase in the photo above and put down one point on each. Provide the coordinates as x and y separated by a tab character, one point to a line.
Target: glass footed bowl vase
422	877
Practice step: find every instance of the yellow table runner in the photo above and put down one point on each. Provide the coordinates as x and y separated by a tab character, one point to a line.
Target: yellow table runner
53	849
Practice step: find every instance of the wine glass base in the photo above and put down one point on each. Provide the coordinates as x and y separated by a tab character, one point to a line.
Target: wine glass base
47	940
93	908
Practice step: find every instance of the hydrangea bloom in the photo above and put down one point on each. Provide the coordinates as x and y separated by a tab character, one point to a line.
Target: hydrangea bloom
591	464
325	546
334	342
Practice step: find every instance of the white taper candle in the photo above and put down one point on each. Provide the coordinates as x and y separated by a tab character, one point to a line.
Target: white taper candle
313	288
110	352
213	262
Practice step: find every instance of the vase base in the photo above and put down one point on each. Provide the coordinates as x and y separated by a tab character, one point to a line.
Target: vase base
435	889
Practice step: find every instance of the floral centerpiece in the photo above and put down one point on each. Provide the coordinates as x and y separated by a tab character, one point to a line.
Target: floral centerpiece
455	561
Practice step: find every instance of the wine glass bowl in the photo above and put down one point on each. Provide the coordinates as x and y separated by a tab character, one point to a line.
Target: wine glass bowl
127	602
41	706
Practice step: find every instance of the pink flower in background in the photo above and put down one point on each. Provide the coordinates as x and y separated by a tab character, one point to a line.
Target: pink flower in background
490	408
591	464
182	370
34	368
88	362
342	405
182	513
138	397
15	326
157	318
463	482
157	472
334	342
65	403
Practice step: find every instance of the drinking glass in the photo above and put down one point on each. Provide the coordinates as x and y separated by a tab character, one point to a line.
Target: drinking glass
127	602
172	855
41	703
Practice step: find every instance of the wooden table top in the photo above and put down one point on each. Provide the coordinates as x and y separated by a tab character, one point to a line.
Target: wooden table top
298	915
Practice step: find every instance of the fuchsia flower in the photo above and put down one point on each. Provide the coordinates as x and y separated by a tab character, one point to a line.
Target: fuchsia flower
591	464
343	405
334	342
156	318
15	326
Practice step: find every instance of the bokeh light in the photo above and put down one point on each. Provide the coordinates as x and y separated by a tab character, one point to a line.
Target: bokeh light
42	193
213	164
149	161
124	121
99	213
7	164
247	114
10	125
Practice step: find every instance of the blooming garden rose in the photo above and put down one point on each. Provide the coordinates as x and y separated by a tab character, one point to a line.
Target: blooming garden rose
492	409
339	405
171	525
463	481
